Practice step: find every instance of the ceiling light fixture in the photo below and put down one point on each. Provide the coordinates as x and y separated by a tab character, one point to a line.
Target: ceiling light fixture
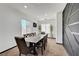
25	6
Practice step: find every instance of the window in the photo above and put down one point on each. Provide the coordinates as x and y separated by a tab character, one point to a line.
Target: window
24	25
45	28
42	27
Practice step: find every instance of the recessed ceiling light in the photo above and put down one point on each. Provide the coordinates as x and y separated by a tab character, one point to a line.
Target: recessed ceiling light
25	6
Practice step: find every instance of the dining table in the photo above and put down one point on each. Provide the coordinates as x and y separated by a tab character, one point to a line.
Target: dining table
35	39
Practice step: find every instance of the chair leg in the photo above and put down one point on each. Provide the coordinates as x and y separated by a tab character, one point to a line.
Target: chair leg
42	51
44	47
19	54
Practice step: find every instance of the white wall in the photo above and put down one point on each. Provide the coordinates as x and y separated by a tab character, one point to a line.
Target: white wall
59	28
10	26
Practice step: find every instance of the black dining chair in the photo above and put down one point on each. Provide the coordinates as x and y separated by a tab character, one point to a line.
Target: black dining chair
25	35
42	44
45	41
22	46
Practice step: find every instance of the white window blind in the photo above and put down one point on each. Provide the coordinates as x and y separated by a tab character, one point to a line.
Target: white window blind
45	28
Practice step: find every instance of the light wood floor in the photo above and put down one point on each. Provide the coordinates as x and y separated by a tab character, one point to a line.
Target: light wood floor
52	49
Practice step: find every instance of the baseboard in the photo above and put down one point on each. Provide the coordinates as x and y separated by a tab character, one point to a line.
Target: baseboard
51	37
59	43
7	49
66	51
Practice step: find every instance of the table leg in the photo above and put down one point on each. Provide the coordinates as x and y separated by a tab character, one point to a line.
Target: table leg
34	49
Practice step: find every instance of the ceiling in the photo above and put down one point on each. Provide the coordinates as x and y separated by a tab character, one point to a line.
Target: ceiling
39	11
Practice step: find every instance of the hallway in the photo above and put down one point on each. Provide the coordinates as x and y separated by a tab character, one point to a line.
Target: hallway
52	49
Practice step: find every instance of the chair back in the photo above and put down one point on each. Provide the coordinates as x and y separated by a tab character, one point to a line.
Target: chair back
22	46
42	32
45	41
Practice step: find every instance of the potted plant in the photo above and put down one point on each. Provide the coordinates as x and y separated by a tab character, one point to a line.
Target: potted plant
39	28
51	30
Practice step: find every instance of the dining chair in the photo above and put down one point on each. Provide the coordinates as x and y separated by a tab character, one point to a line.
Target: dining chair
42	32
45	41
25	35
22	46
40	44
